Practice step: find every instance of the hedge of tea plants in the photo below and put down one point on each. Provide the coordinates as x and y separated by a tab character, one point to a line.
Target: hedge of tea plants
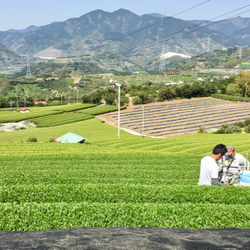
130	181
67	186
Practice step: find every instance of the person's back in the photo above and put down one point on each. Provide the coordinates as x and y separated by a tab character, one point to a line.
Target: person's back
208	169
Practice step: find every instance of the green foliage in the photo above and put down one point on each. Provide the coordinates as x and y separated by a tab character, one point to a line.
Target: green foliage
132	181
231	98
96	87
32	139
233	90
231	63
247	122
240	124
165	94
71	117
36	112
59	68
236	128
233	130
247	129
222	129
202	130
57	186
122	73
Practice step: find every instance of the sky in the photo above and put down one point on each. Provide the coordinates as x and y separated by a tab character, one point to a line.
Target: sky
19	14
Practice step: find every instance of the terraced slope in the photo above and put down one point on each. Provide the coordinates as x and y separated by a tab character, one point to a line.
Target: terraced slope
57	186
180	117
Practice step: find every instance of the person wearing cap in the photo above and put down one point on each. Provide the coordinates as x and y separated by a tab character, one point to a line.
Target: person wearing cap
209	170
234	159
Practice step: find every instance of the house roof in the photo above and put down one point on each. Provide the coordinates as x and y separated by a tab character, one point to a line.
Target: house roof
70	138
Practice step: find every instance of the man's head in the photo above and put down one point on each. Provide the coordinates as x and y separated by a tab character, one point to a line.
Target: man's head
219	150
230	151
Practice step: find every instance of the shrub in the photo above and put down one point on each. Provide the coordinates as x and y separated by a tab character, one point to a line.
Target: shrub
32	139
136	101
233	90
202	130
233	130
247	122
222	129
247	129
240	124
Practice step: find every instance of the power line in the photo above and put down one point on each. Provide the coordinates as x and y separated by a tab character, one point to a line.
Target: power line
155	23
197	25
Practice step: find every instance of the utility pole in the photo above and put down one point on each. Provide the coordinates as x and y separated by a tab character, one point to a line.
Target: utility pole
28	73
246	92
142	125
162	62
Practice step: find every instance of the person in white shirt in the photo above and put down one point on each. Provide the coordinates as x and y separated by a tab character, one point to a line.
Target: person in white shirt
209	170
234	159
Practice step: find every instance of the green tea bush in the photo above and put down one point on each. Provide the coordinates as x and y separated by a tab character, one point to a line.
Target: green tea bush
32	139
202	130
247	122
247	129
227	129
233	130
222	129
240	124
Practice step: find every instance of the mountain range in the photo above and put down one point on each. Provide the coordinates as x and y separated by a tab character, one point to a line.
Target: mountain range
140	39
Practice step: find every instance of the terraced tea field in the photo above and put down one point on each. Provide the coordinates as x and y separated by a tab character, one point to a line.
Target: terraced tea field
180	117
131	181
58	186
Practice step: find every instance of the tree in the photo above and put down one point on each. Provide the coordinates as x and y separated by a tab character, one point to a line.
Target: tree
186	91
165	94
243	81
197	90
209	88
233	89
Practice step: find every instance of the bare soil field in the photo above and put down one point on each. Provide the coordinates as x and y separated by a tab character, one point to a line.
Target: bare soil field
179	117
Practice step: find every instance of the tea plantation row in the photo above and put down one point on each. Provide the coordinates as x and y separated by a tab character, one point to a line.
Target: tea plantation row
131	181
84	189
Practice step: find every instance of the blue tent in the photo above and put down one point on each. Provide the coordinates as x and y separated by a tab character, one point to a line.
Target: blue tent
71	138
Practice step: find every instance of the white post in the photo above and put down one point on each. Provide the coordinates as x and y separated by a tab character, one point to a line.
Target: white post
142	126
119	101
246	92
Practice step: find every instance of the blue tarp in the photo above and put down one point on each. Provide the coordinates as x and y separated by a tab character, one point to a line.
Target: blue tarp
71	138
245	178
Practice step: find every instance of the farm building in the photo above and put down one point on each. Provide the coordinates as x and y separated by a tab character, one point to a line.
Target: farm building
40	102
24	110
71	138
